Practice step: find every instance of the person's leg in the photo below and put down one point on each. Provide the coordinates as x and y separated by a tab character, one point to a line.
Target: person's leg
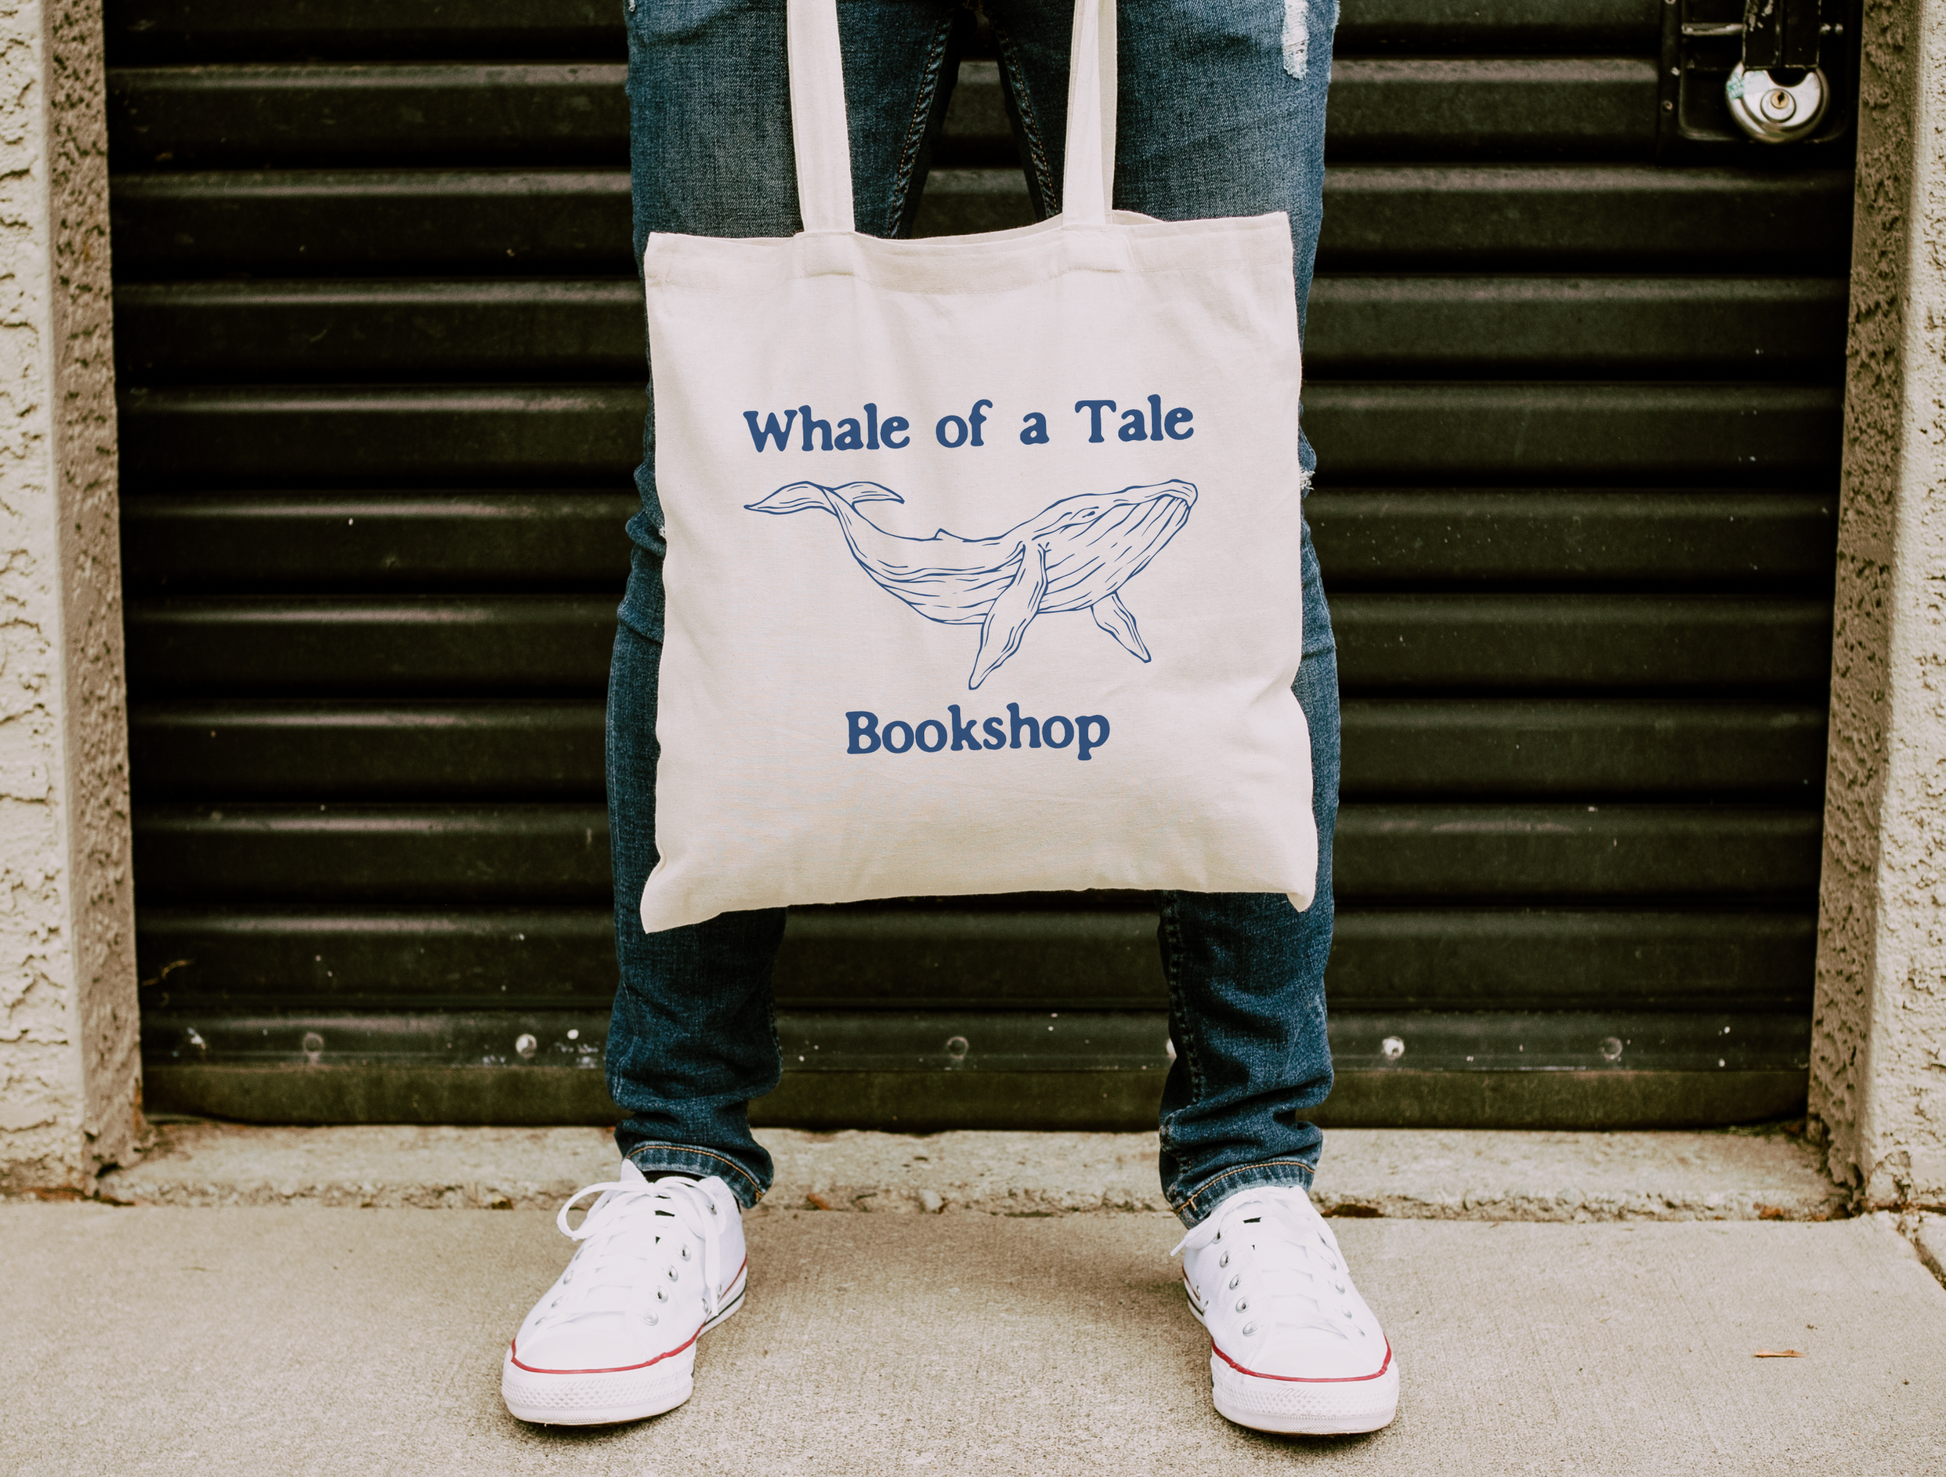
661	1257
1246	988
692	1039
1221	113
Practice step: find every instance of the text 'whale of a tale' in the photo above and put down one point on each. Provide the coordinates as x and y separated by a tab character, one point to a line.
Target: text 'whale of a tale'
1075	554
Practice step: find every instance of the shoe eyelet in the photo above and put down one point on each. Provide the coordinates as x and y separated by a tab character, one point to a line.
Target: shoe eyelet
1235	1280
1223	1260
685	1253
674	1275
1249	1329
661	1296
1242	1303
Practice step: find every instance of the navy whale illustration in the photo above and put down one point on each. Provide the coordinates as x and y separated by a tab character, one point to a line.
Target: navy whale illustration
1075	554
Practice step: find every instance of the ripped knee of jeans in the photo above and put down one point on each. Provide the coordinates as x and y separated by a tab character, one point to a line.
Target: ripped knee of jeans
1297	36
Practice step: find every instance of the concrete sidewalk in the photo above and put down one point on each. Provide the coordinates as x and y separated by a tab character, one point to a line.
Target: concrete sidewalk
1558	1302
207	1342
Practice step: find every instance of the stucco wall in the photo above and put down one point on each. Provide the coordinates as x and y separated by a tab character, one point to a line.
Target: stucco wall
1878	1072
69	1084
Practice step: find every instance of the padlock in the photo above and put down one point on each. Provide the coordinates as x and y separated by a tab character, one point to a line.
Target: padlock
1772	108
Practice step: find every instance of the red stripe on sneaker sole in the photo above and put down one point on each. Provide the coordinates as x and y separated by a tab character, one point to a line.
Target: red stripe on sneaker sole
1296	1379
513	1350
513	1353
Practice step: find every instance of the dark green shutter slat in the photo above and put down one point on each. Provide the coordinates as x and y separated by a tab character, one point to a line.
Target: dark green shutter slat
491	222
243	539
1361	327
1386	643
479	435
1404	747
1471	958
559	853
576	112
1375	538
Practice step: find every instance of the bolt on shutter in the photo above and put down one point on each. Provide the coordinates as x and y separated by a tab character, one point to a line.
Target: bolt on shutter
1574	375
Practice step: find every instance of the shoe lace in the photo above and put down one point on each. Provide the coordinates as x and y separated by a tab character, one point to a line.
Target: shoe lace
622	1244
1302	1284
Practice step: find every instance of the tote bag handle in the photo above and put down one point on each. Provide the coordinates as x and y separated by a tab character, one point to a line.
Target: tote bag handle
822	140
1088	175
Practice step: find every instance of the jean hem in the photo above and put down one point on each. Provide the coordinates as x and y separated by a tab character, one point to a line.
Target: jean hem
656	1158
1195	1207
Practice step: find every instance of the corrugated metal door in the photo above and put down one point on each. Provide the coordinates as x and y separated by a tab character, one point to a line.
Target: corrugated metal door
1574	378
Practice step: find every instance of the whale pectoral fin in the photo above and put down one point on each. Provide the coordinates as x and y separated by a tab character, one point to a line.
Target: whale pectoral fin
1113	617
1012	611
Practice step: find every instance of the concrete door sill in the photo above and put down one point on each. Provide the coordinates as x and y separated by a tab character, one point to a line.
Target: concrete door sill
1485	1175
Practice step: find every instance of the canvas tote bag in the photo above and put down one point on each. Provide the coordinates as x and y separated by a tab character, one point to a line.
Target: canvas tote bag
983	551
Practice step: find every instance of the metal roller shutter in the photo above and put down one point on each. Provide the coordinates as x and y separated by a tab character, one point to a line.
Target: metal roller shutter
1575	370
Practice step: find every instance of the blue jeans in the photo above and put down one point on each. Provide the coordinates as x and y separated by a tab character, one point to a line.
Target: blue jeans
1214	120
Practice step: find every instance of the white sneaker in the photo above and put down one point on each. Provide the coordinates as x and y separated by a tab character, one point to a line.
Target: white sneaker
614	1339
1293	1348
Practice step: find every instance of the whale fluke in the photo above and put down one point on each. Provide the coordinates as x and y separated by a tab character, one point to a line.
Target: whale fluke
1013	610
1113	617
799	497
